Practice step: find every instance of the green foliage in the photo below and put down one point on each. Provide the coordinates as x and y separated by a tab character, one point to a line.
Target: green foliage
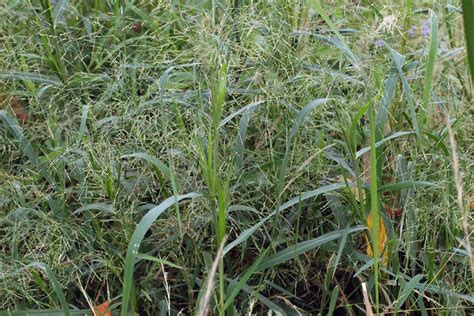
468	11
290	120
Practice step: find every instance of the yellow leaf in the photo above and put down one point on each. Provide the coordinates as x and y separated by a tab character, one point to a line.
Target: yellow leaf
382	239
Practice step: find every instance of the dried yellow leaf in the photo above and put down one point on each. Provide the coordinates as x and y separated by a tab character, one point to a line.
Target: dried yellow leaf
382	239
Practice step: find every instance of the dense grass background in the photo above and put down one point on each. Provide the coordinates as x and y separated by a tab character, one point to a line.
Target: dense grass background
185	156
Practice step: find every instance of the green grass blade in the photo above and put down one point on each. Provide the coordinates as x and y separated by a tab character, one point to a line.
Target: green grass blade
143	256
374	203
59	9
383	141
242	281
96	206
175	189
405	172
79	79
25	146
407	289
218	94
282	290
444	291
306	195
341	44
241	135
332	303
398	61
52	278
364	267
137	238
163	82
340	250
248	108
155	162
264	300
15	129
382	113
33	77
302	247
430	63
158	166
403	185
300	117
317	6
83	126
468	14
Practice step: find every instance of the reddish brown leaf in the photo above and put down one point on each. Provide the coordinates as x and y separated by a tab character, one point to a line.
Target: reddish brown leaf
393	212
20	112
137	27
102	309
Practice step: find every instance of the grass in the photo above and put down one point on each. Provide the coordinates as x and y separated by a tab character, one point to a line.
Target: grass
211	157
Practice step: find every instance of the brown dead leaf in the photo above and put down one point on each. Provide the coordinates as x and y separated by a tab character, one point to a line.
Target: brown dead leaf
365	295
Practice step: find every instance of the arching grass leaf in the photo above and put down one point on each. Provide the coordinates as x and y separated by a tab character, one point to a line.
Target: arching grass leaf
136	240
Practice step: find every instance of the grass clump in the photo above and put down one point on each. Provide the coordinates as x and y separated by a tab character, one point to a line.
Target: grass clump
235	158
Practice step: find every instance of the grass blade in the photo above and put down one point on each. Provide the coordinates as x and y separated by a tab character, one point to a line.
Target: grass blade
59	9
398	61
264	300
33	77
407	290
143	256
52	278
341	44
24	145
340	250
306	195
364	267
136	240
163	82
381	142
96	206
248	108
240	141
430	63
300	117
243	280
332	303
403	185
158	166
374	203
382	113
444	291
156	163
83	126
302	247
17	133
468	14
